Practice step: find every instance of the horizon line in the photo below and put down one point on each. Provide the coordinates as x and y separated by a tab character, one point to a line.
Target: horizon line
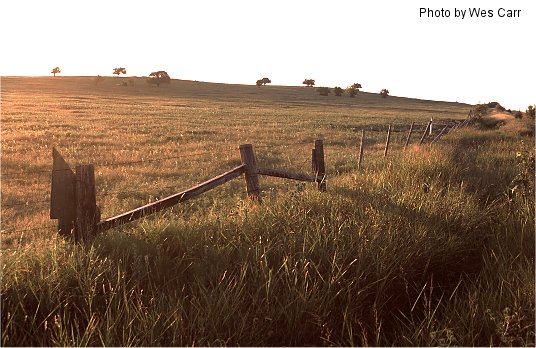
223	83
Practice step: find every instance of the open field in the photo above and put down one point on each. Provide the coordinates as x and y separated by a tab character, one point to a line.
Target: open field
434	246
108	123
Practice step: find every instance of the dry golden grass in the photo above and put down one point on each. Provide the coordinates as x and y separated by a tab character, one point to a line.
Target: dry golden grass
431	247
105	123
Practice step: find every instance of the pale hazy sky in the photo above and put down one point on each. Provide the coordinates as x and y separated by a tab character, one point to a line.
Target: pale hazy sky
380	44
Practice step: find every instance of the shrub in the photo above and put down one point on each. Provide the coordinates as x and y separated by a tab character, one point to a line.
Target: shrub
338	91
384	93
530	111
479	111
352	92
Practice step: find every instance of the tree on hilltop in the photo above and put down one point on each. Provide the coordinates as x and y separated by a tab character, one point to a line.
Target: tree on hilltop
158	77
119	71
309	82
263	81
384	93
356	86
55	71
338	91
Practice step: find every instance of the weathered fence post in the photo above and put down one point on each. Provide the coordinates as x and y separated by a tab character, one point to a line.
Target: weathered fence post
409	135
313	160
425	131
62	194
320	165
387	141
87	213
252	178
360	161
431	124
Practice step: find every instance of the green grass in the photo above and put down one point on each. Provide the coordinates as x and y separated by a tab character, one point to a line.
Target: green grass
430	247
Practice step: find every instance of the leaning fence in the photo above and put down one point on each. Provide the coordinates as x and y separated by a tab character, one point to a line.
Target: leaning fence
73	199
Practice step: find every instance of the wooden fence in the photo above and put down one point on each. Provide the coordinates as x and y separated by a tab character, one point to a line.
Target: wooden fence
73	193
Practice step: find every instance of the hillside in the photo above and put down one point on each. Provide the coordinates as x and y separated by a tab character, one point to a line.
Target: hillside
428	246
270	94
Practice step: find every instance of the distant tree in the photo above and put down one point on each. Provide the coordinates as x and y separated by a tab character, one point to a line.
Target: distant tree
356	86
119	71
263	81
384	93
352	92
530	111
323	91
338	91
309	82
55	71
159	77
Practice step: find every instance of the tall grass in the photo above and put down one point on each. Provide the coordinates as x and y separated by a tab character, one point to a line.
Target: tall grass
418	252
434	246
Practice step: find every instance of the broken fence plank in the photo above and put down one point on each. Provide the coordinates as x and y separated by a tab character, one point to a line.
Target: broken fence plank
62	194
171	200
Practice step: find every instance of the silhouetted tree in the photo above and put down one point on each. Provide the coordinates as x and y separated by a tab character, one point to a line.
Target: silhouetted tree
356	86
159	77
384	93
323	91
263	81
55	71
309	82
119	71
338	91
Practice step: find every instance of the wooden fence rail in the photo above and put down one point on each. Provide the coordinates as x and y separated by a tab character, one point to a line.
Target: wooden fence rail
172	200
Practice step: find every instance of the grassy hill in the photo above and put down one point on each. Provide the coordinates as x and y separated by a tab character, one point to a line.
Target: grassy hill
431	246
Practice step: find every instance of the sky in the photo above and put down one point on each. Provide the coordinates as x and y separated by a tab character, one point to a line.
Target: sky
379	44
